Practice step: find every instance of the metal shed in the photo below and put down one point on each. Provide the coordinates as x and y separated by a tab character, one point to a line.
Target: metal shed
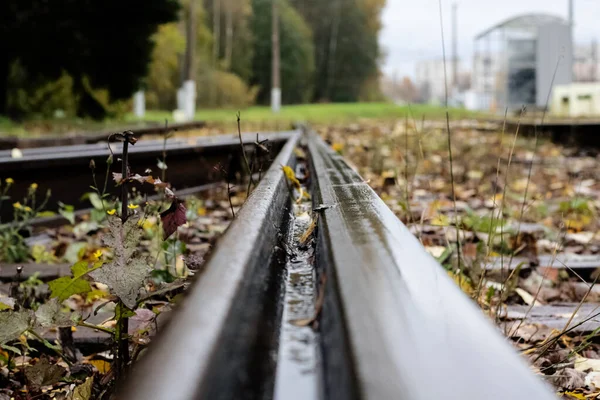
517	61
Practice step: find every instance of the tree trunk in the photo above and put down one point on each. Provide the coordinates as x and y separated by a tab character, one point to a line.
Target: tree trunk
190	68
4	64
216	30
229	33
333	41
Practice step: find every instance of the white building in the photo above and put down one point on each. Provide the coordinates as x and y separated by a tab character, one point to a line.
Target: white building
576	100
430	80
586	67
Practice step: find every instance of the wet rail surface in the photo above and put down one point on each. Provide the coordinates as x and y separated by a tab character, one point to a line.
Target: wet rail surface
352	309
191	162
81	138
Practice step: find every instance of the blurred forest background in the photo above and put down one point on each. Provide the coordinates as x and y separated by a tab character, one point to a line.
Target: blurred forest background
86	58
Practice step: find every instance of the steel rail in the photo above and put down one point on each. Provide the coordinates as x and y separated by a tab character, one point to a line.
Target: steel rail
212	346
81	138
65	170
392	324
67	155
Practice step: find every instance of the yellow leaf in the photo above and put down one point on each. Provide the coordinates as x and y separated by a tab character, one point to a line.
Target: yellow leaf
338	147
440	220
575	395
309	230
201	211
102	366
291	176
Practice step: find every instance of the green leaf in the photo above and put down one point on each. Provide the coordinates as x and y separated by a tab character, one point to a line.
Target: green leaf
11	348
46	214
68	212
13	324
123	312
84	391
96	201
65	287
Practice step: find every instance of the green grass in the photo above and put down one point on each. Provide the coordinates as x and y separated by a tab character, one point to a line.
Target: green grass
319	113
256	117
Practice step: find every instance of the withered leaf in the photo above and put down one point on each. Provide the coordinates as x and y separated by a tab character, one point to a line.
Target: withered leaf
84	391
50	314
43	373
13	324
125	274
173	218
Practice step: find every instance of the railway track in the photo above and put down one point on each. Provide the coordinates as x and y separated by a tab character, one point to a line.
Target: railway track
66	169
7	143
325	298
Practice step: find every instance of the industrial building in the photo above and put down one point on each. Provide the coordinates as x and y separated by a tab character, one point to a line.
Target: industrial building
576	100
517	61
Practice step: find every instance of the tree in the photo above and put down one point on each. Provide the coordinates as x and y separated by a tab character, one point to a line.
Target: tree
347	52
232	35
297	53
103	44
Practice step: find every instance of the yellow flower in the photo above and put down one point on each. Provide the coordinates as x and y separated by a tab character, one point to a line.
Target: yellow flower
34	186
111	212
28	209
97	254
10	181
132	206
17	205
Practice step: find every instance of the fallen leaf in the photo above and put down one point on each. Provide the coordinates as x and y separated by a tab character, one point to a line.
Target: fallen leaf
84	391
7	303
43	373
568	378
586	364
102	366
291	176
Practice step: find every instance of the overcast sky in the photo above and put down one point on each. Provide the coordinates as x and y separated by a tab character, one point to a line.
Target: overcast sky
411	32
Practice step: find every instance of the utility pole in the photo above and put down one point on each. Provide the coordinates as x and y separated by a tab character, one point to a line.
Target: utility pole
454	48
572	29
594	57
275	72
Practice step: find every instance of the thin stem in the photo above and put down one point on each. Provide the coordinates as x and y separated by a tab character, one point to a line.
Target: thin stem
50	346
243	150
97	327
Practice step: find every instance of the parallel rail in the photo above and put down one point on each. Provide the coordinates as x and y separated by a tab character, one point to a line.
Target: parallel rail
360	311
65	169
7	143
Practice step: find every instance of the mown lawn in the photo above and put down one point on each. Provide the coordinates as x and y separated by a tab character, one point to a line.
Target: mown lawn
319	113
256	117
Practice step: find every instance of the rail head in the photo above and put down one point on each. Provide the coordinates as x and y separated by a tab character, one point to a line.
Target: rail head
408	328
211	330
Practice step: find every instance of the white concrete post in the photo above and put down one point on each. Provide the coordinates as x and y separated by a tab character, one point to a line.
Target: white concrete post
275	100
139	104
189	108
